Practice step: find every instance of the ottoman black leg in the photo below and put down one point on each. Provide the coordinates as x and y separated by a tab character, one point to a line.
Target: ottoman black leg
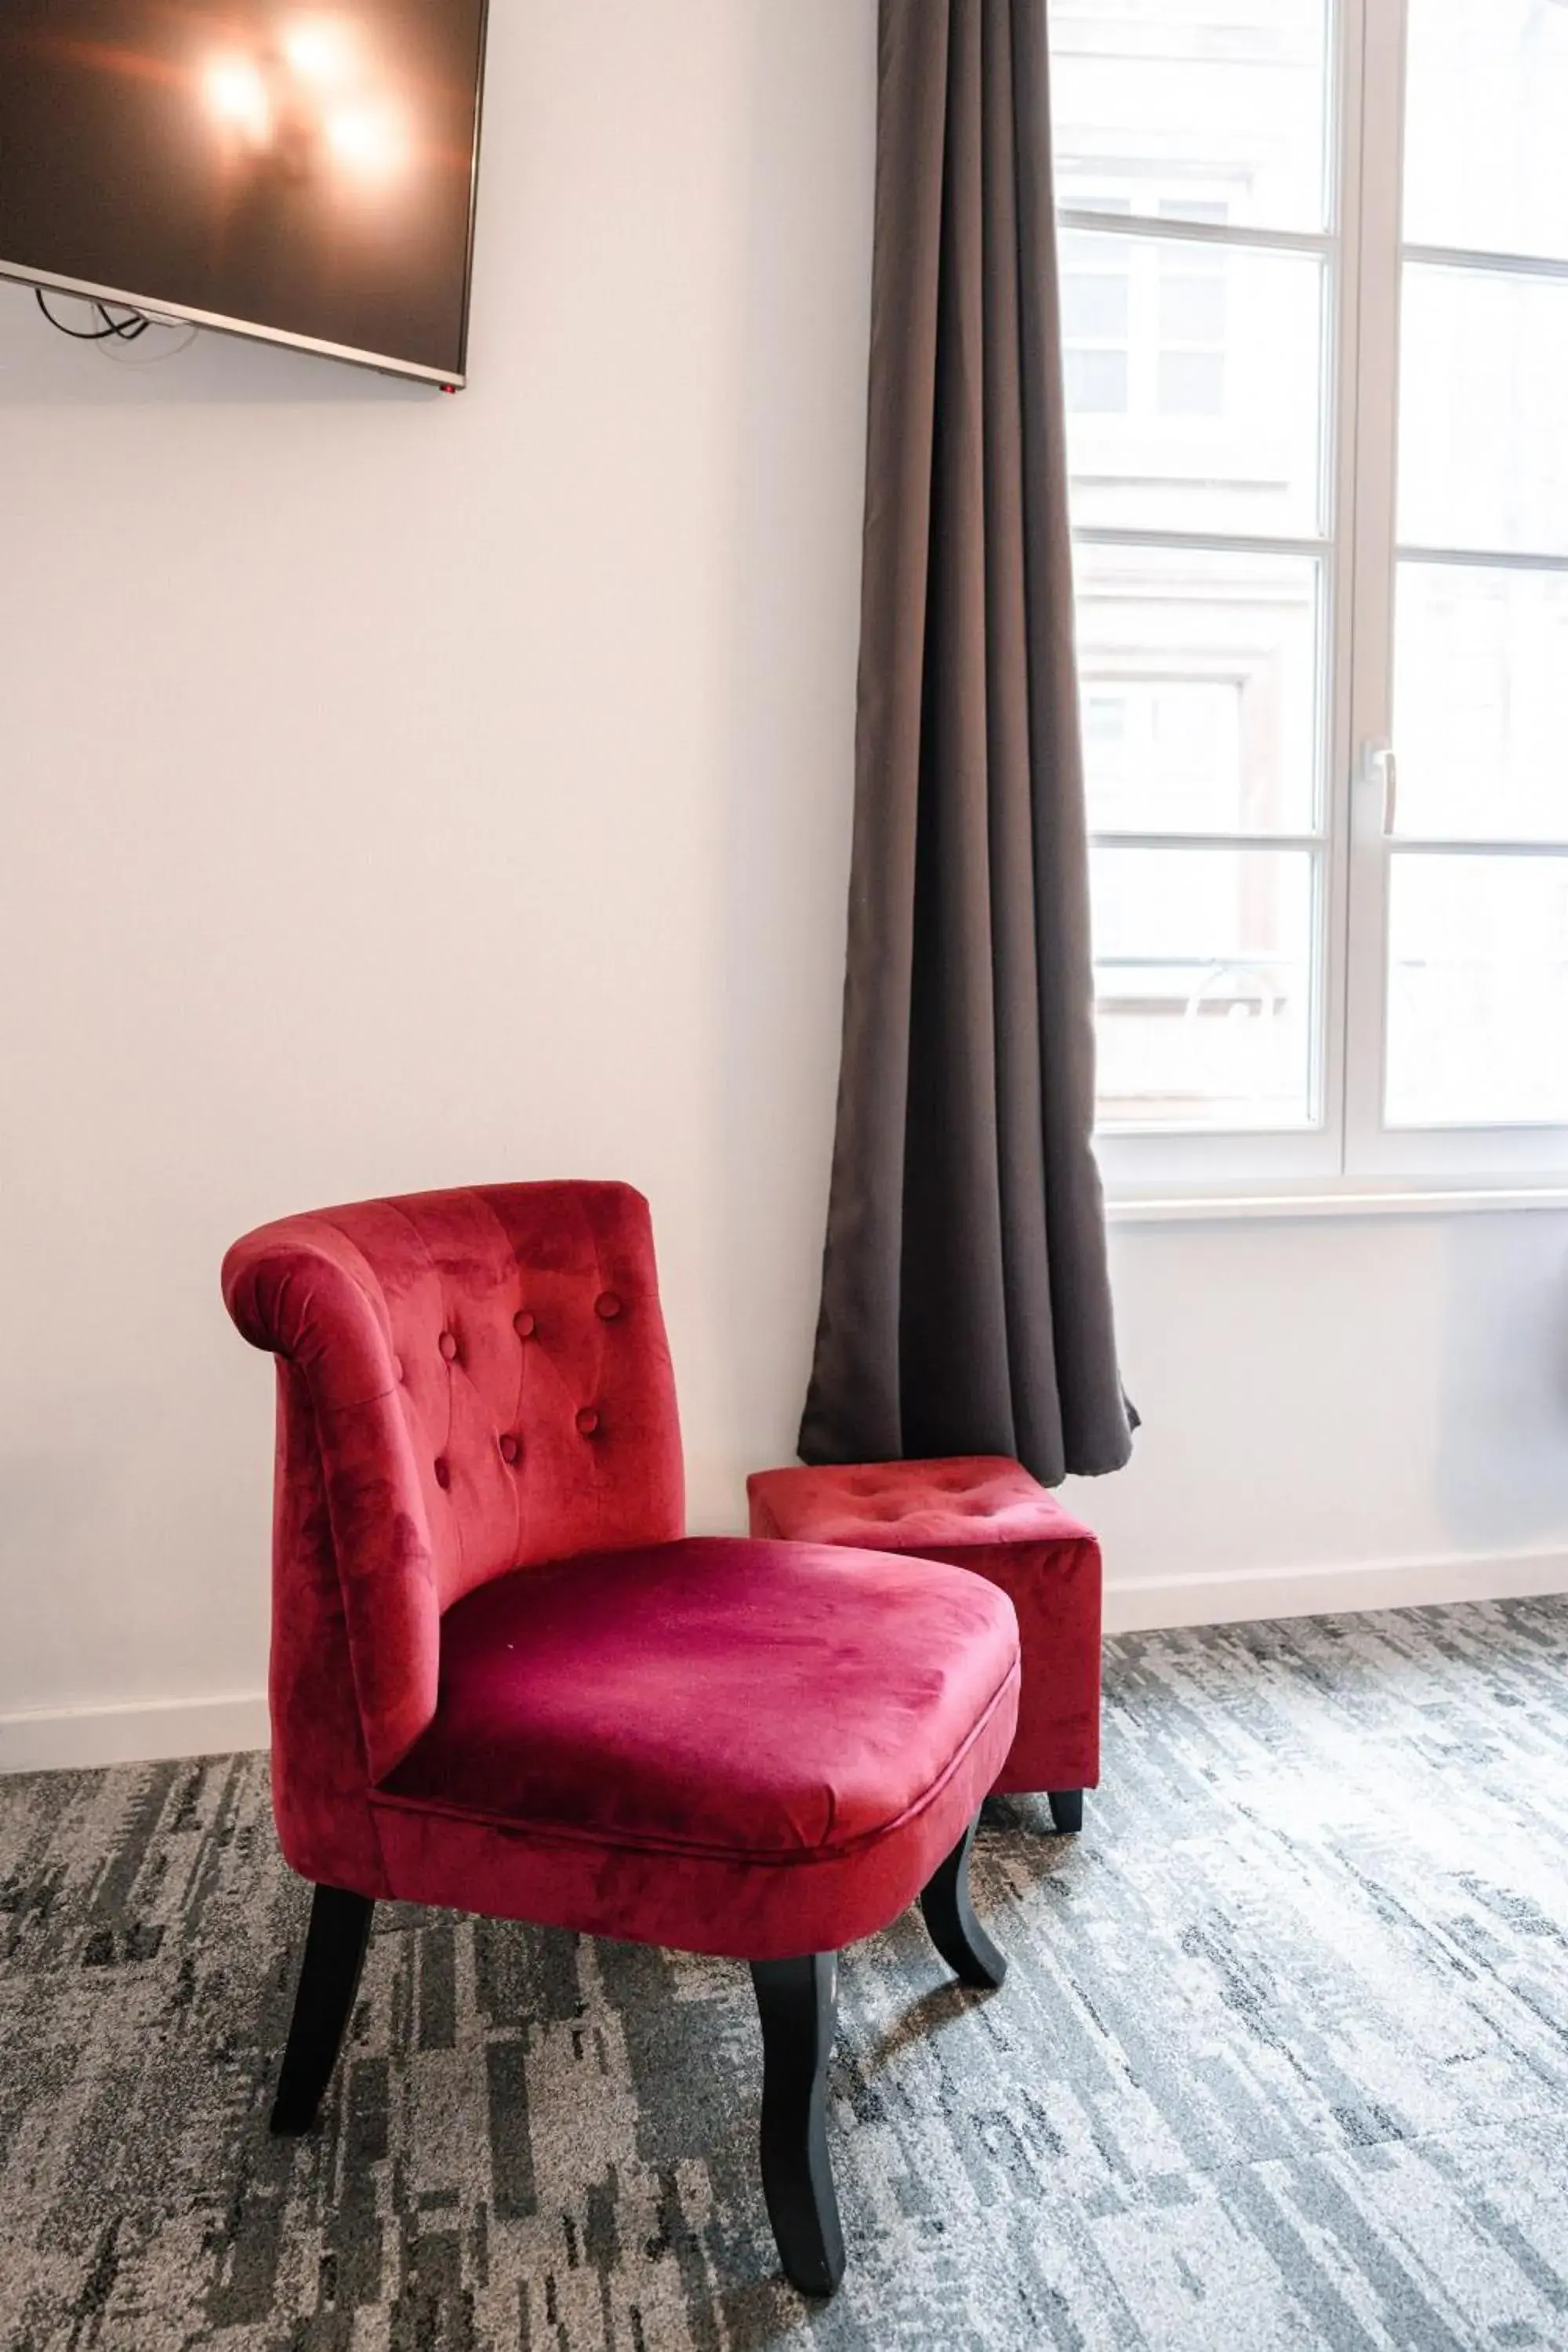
1066	1808
950	1917
329	1979
798	2003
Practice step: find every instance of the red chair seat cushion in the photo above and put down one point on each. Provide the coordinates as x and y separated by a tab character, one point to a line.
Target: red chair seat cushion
770	1745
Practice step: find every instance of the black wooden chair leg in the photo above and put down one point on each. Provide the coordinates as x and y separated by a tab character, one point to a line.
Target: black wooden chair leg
329	1979
950	1916
1066	1808
798	2003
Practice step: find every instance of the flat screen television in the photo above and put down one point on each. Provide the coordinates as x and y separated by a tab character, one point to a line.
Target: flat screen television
304	175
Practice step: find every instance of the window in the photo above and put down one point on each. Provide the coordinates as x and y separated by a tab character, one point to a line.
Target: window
1314	267
1192	311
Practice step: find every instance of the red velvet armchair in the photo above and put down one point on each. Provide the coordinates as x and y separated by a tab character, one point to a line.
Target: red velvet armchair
502	1679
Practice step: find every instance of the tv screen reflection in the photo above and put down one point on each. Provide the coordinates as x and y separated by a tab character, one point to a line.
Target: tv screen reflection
305	171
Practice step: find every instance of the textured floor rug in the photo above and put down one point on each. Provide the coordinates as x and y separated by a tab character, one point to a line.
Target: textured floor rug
1282	2060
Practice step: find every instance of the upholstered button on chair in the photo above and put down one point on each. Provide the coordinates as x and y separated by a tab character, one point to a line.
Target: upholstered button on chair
502	1679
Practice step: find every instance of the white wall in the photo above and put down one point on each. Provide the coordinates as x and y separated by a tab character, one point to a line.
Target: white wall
1339	1412
397	791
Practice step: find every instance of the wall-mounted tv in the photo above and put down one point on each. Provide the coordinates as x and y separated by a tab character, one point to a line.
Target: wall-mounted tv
305	174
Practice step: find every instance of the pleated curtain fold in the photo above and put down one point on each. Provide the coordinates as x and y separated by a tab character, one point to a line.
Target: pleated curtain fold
966	1302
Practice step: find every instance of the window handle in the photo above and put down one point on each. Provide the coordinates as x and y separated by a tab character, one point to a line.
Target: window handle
1380	772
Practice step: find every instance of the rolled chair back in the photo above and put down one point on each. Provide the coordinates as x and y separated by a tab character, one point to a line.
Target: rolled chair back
469	1382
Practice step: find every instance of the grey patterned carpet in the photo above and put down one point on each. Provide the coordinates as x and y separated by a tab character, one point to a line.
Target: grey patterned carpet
1282	2060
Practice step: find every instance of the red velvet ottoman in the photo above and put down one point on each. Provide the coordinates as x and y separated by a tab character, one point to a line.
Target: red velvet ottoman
985	1513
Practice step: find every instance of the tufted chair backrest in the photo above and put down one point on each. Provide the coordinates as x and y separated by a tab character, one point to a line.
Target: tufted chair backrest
469	1382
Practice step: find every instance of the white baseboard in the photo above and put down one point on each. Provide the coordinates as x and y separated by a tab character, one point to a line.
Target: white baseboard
85	1735
1144	1604
78	1735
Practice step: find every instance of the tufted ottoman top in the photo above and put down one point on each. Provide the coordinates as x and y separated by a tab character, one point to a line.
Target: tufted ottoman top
910	1506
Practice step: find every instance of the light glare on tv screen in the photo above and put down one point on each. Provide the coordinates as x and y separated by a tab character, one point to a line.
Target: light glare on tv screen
307	171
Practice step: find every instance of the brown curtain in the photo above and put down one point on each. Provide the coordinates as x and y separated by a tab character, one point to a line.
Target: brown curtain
965	1305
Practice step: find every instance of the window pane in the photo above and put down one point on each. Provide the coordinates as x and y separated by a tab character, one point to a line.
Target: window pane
1192	308
1486	82
1230	442
1483	395
1094	309
1203	986
1192	384
1184	106
1477	998
1481	707
1199	676
1095	383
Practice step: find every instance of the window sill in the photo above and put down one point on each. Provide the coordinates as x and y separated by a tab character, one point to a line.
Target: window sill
1244	1205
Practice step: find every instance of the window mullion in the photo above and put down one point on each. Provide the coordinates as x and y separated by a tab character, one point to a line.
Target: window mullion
1369	478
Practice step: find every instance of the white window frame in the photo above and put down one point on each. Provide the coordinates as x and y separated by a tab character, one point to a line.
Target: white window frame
1350	1149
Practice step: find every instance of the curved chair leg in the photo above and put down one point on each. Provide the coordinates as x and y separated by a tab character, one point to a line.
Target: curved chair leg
329	1979
798	2003
950	1916
1066	1809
